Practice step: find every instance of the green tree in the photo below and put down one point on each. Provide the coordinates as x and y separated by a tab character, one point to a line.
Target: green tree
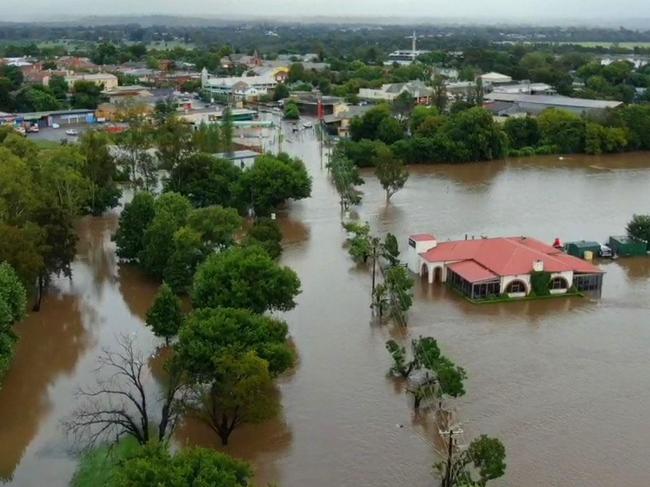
217	226
280	92
207	138
86	94
390	171
482	461
153	464
366	127
562	129
36	99
7	102
22	248
165	316
205	180
266	233
135	218
399	285
272	181
390	130
210	333
59	87
291	111
346	178
13	300
244	278
99	169
241	391
188	251
522	132
639	227
173	140
227	130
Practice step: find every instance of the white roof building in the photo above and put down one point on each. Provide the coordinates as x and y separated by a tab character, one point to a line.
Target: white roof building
495	78
240	86
535	104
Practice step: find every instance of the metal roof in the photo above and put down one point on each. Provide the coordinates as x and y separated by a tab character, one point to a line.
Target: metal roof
553	100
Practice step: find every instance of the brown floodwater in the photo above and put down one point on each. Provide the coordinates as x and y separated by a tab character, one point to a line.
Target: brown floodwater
564	383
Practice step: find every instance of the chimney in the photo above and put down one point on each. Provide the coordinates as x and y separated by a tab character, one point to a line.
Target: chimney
538	266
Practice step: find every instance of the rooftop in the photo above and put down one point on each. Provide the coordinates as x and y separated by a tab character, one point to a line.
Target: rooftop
506	256
553	100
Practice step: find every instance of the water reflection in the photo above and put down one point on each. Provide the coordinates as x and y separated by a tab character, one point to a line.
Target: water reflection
47	349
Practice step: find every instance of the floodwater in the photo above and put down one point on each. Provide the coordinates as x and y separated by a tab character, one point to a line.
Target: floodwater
564	383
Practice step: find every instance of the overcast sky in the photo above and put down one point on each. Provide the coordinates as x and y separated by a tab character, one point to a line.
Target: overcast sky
530	10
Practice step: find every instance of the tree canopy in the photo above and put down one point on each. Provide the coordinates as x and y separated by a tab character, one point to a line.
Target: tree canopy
244	277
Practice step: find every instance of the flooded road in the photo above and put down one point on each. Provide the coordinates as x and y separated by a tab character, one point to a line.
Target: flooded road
564	383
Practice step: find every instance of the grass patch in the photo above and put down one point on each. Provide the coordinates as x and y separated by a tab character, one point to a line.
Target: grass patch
97	467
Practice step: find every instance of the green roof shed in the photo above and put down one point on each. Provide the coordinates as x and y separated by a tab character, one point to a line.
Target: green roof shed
626	246
578	249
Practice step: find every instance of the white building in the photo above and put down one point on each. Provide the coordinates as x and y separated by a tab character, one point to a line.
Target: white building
493	78
420	92
406	56
242	87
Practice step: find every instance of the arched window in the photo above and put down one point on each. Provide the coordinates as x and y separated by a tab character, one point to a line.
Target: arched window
516	287
559	283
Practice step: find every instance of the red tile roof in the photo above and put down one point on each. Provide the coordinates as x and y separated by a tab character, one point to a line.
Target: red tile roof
472	272
508	256
421	237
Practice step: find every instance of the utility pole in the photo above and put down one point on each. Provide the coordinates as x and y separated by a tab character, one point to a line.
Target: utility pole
450	451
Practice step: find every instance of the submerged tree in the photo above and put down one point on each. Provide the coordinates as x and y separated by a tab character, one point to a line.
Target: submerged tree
135	218
431	374
483	460
346	178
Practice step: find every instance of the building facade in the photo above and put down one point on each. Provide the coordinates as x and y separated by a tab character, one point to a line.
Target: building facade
490	267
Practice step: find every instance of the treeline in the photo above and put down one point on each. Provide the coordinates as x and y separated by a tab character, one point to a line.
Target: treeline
469	135
426	136
42	194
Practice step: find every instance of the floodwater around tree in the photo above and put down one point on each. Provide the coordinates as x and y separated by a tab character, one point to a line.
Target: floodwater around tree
564	383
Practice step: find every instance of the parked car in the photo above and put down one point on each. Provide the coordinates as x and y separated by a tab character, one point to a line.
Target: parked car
56	126
33	129
72	132
605	251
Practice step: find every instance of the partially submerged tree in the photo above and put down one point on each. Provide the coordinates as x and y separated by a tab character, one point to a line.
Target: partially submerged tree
13	300
390	171
266	233
483	460
119	405
245	277
639	228
432	375
135	218
241	391
154	464
165	316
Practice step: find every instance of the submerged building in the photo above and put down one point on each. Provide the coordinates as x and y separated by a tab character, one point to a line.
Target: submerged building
499	266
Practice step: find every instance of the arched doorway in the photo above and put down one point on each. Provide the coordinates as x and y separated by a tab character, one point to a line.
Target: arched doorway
516	287
437	274
424	271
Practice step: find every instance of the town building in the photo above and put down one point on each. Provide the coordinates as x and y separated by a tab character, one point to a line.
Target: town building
244	159
106	80
493	78
420	92
239	87
489	267
407	56
535	104
316	105
339	123
524	88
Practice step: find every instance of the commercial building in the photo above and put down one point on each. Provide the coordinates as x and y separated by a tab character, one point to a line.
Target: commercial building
244	159
524	88
309	103
490	267
535	104
406	57
420	93
106	80
239	87
493	78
